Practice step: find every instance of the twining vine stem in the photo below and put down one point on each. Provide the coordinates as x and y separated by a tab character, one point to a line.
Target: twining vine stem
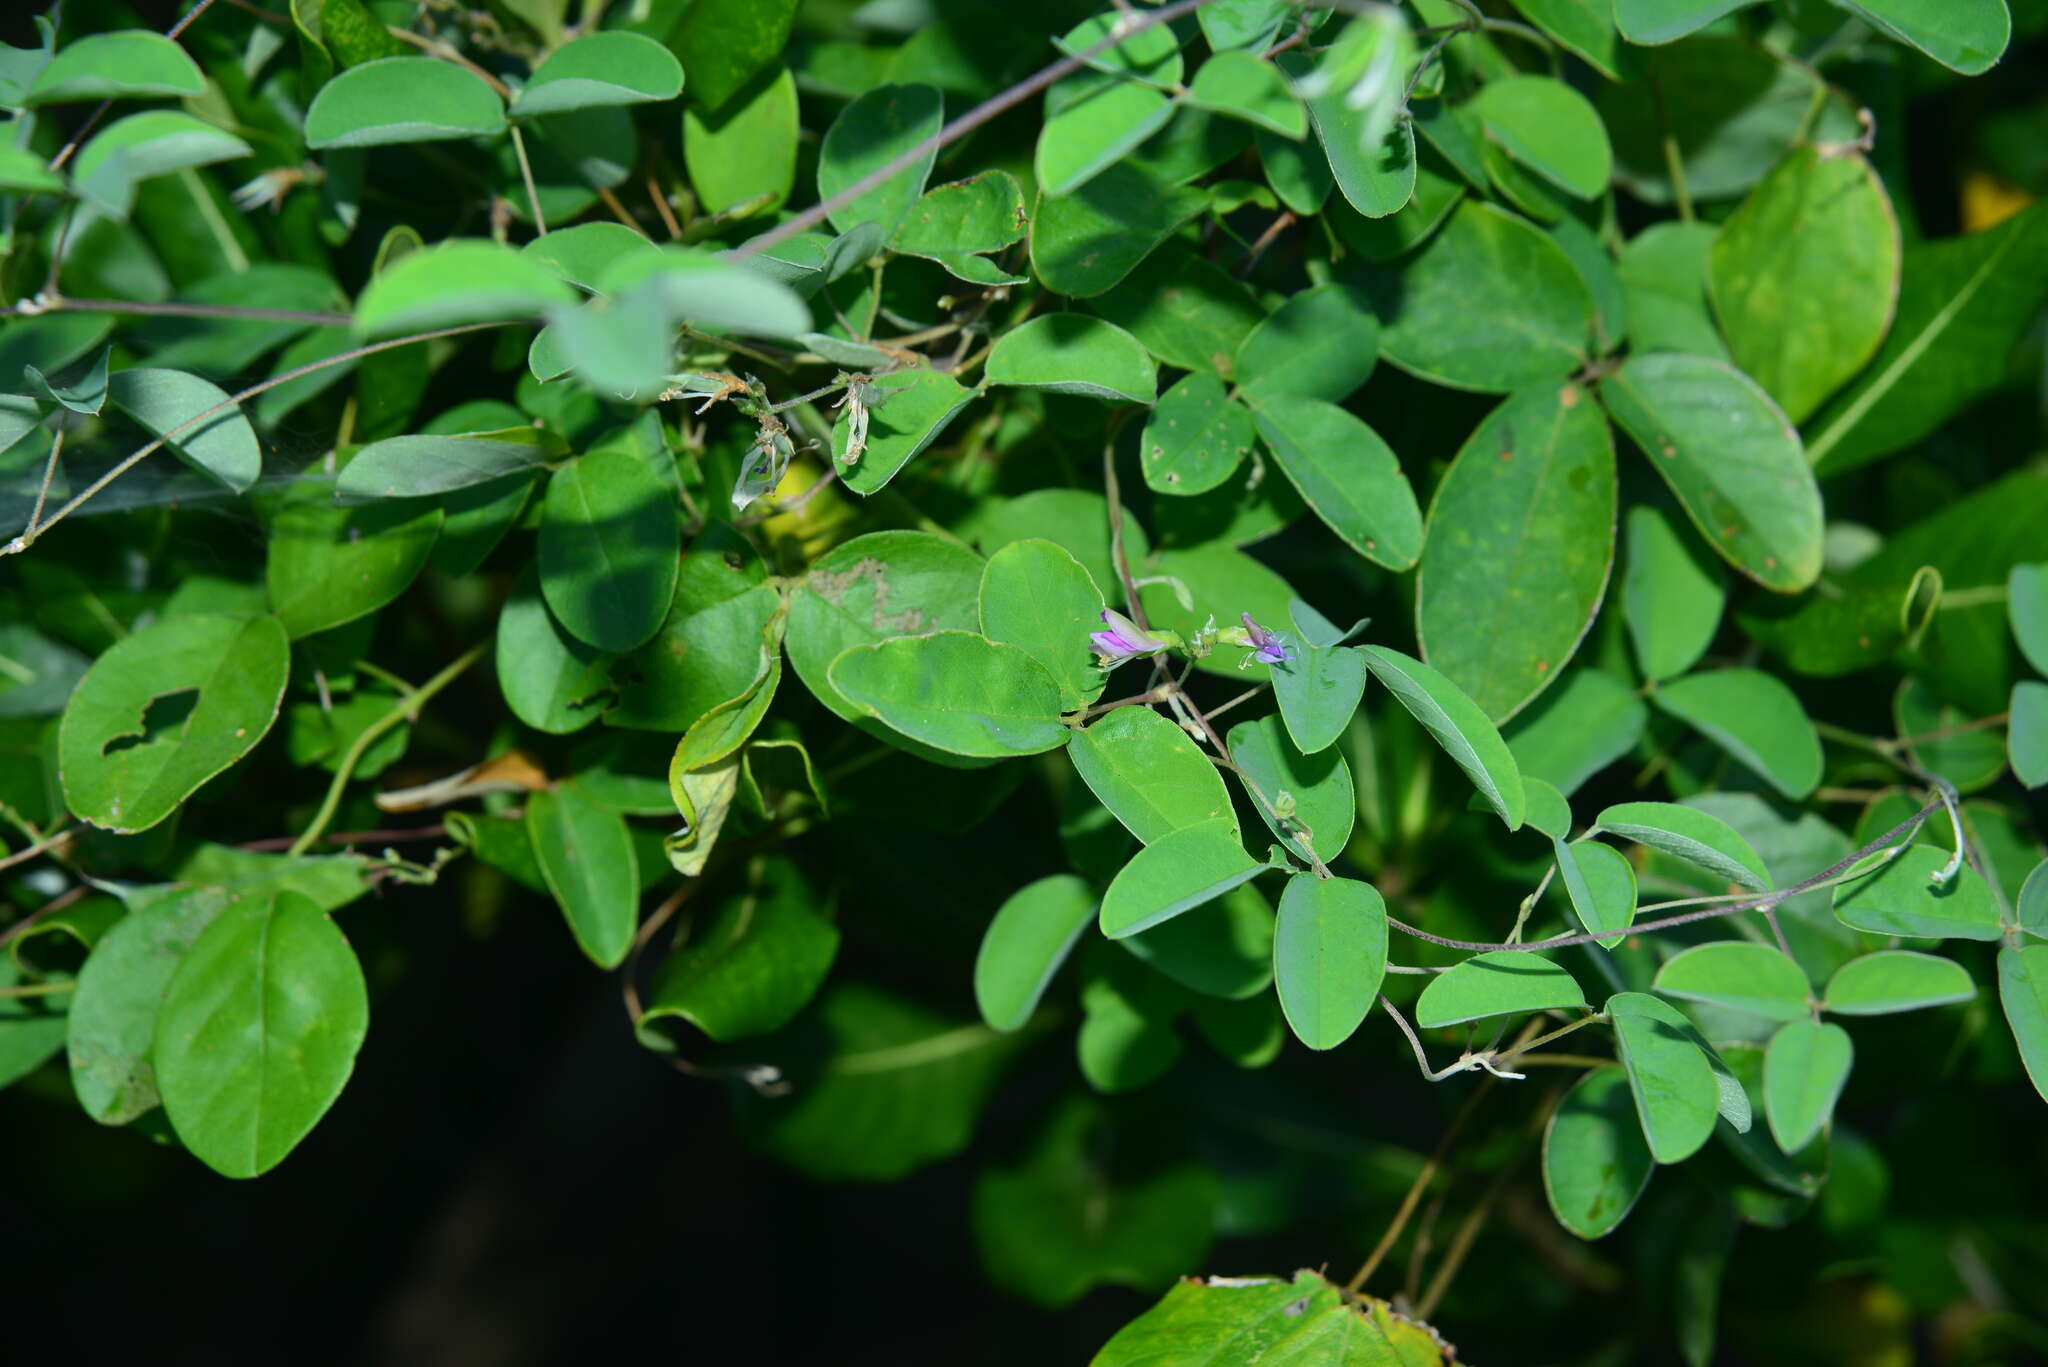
1766	900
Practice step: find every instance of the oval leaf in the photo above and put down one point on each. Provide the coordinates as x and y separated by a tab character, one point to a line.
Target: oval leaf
1521	539
1071	353
1740	976
1458	725
957	692
1031	936
402	99
600	69
164	710
1595	1163
1731	458
1502	982
1315	789
1149	774
1329	955
1675	1091
1896	980
1346	473
1805	1069
586	855
1754	717
1903	898
170	403
127	64
1175	873
1696	837
258	1032
1037	597
608	549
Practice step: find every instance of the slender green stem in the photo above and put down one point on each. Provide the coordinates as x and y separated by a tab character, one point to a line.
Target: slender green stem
405	709
540	220
22	543
37	989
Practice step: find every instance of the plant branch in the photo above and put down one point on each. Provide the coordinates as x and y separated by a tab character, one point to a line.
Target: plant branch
996	104
405	709
22	543
1766	900
28	308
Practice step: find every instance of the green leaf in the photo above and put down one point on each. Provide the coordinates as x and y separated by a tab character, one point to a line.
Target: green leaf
1804	277
1346	473
2030	908
955	691
1071	353
422	466
127	64
1578	728
1500	982
166	709
1896	980
1754	717
1963	35
454	283
1805	1068
1037	597
1083	243
725	44
1126	1040
710	648
1584	28
1318	787
872	588
1458	725
1672	593
608	553
1730	457
750	968
972	217
1964	304
1241	85
1663	272
1032	934
1599	882
23	172
2026	605
1266	1322
2023	992
1697	837
142	146
916	407
1321	344
695	286
170	401
2026	734
1224	949
871	132
258	1032
599	69
114	1011
1595	1163
586	855
1195	438
37	674
1096	132
1902	898
881	1087
1491	303
1187	311
1318	690
328	565
402	99
1740	976
744	154
1662	21
1175	873
1548	812
1550	128
1675	1090
1375	171
1150	776
1521	539
1079	1211
551	681
1329	955
1232	24
83	391
1970	758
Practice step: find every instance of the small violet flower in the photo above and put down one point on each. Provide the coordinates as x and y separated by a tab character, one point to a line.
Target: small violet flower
1266	647
1126	640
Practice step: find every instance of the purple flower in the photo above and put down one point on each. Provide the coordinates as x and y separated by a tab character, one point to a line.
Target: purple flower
1125	639
1266	647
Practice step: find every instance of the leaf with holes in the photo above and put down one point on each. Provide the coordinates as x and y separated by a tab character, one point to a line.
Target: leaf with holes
164	710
